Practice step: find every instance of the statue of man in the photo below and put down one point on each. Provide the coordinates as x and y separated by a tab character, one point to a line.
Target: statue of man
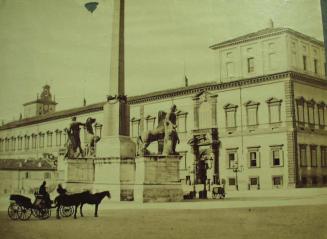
74	130
171	119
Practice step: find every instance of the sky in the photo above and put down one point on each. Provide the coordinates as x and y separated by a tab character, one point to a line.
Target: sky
60	43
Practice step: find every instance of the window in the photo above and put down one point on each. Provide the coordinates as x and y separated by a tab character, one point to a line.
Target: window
231	182
183	161
311	113
300	110
323	155
27	175
231	157
304	62
7	141
303	155
252	113
41	140
181	122
277	181
13	143
1	145
135	127
58	137
250	64
20	142
254	181
34	138
315	64
230	113
49	139
313	154
65	135
27	142
276	152
150	121
274	111
253	157
272	61
230	69
98	129
321	114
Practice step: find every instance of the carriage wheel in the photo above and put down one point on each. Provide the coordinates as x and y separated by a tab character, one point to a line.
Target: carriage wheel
13	211
66	211
25	213
44	213
35	212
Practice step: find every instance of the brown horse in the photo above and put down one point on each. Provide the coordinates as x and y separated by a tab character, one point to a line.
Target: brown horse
94	199
79	199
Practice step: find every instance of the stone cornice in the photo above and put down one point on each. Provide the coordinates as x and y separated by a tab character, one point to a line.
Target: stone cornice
195	89
167	94
257	36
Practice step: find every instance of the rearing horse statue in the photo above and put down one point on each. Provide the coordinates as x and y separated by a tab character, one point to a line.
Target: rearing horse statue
153	135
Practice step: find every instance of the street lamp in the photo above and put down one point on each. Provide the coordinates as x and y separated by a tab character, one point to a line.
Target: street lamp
237	169
207	165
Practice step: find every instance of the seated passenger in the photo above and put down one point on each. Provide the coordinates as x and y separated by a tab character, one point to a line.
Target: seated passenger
45	194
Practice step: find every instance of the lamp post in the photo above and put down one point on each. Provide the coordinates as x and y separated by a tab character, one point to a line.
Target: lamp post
237	169
207	162
194	177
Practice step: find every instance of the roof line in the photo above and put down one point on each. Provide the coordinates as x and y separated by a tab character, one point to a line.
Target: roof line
257	35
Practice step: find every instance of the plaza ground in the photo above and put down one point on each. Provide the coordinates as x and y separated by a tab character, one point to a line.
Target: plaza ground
273	222
298	213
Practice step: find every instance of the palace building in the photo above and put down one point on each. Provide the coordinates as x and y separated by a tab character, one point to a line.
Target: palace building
261	124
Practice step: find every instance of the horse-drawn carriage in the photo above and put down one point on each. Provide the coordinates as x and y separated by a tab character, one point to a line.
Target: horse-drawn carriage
22	208
218	192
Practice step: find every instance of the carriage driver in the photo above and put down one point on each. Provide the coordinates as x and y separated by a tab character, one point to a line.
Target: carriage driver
45	194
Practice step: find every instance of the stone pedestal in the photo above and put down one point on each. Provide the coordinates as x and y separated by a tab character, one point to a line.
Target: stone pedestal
116	141
101	174
157	179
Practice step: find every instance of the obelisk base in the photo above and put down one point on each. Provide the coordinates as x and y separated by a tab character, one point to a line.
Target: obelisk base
157	179
116	147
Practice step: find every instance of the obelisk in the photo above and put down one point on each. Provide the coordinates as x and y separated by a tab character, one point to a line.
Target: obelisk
115	141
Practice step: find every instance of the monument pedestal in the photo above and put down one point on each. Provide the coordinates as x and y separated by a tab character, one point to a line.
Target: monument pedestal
100	174
157	179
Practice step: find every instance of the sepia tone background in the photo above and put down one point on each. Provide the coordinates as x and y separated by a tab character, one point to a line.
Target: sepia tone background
60	43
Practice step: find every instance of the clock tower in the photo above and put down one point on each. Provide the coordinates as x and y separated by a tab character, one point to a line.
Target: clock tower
42	105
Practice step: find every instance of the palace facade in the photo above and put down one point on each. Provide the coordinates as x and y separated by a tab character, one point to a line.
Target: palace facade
261	124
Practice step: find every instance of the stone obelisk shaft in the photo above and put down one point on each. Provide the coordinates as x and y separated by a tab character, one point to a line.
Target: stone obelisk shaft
117	71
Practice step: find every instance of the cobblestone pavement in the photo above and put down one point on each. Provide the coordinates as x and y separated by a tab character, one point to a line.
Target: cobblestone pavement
272	222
